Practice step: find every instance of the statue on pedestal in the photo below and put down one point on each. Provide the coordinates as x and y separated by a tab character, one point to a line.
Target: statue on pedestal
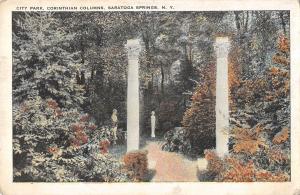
153	118
114	119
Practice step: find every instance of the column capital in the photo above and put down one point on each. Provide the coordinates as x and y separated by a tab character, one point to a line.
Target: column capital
133	47
221	46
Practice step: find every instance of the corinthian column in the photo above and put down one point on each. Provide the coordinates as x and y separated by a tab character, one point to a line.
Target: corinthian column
222	103
133	131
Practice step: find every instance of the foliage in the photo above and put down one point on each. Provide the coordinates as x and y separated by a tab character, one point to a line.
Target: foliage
103	146
199	119
282	136
107	86
100	38
260	128
166	120
256	39
55	144
173	58
215	163
43	64
177	140
234	169
247	141
105	168
136	163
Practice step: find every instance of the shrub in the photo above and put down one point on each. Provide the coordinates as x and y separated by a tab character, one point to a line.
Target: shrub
247	141
199	119
215	164
103	146
51	144
206	176
104	168
235	169
136	162
281	136
177	140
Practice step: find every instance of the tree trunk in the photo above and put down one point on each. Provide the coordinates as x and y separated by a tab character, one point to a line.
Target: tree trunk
146	41
92	73
82	78
237	21
77	77
162	78
246	23
190	53
82	51
152	84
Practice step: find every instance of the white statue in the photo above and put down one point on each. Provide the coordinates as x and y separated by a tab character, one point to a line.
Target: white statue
114	119
153	124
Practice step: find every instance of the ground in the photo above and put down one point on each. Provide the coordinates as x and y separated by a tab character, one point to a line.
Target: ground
167	166
170	166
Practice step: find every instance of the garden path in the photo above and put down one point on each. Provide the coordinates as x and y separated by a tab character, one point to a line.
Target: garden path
171	166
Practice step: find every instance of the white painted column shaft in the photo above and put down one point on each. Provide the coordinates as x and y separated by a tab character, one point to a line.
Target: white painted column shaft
222	96
133	49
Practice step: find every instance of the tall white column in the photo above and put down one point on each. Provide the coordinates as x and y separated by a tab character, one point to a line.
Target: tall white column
133	48
222	46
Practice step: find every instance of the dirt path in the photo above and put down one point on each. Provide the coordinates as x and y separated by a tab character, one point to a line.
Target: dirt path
170	166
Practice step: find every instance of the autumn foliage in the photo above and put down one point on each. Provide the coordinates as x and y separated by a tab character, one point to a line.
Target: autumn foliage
103	146
136	162
199	119
247	141
281	136
79	136
233	169
234	71
260	126
283	44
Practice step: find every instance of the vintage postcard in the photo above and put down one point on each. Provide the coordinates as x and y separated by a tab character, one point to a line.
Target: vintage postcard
162	97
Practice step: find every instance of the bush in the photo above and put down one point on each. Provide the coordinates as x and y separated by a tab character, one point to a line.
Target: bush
206	176
215	163
104	168
136	162
177	140
236	169
51	144
199	119
103	146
